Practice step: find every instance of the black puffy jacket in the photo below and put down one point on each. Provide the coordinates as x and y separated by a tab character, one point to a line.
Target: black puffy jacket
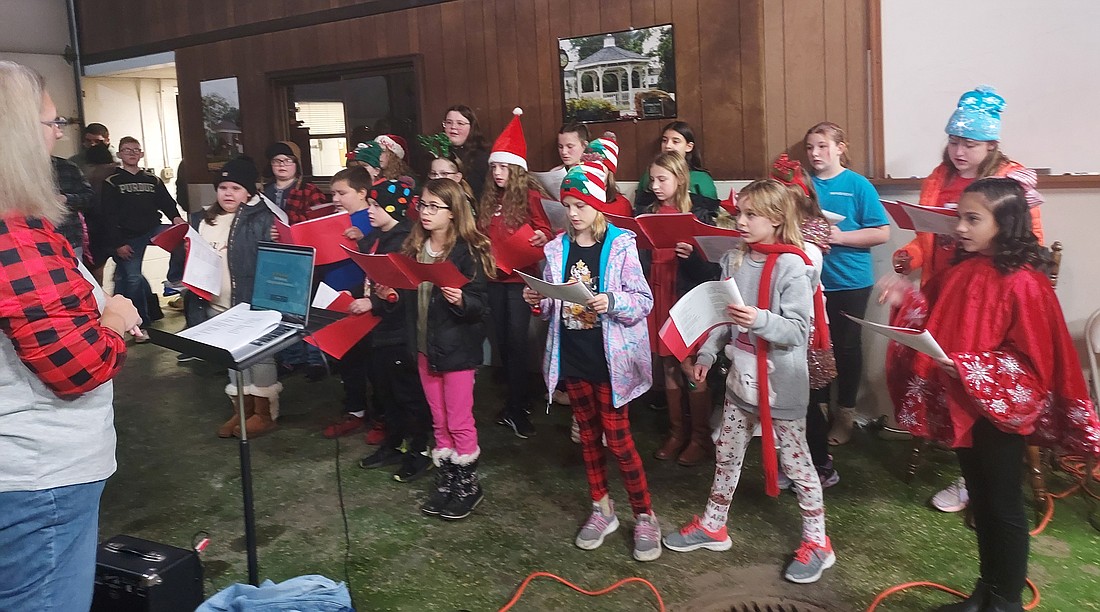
390	331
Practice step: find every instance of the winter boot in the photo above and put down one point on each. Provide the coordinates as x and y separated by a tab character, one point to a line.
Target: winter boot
226	430
844	420
677	437
467	489
975	603
699	448
444	482
263	420
997	603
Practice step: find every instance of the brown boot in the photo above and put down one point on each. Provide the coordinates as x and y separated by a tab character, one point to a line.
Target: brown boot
699	448
676	436
227	428
261	422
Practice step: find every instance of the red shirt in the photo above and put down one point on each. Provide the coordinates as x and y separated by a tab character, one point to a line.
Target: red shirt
498	231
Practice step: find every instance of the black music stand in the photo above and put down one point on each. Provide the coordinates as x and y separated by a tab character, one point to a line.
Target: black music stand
223	358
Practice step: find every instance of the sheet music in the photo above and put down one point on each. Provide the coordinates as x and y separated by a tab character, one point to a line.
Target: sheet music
203	269
704	308
325	295
832	217
279	213
557	214
574	292
235	328
551	180
918	340
712	248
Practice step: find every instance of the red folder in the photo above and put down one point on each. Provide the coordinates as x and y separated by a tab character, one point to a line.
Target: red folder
322	210
664	231
516	252
922	218
402	272
337	338
674	341
169	240
325	234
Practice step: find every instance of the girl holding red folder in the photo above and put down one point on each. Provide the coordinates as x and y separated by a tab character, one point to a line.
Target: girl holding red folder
511	199
672	273
445	331
768	381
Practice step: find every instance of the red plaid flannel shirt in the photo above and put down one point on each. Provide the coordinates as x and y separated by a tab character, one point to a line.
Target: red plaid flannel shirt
48	310
300	199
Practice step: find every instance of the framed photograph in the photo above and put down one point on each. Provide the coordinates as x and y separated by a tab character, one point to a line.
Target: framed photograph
221	118
619	76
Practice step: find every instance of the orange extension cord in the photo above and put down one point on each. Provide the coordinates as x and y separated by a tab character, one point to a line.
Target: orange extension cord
523	585
1070	464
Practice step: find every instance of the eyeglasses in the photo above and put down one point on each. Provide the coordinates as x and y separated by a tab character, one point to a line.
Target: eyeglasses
455	124
59	123
282	162
131	151
442	174
431	209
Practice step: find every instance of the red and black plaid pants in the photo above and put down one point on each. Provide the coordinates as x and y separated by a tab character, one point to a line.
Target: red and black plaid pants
598	418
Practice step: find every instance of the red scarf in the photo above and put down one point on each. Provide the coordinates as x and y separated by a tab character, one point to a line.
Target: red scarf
821	331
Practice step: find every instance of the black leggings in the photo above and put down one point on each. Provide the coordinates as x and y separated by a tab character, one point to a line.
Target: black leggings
847	340
511	316
993	467
397	388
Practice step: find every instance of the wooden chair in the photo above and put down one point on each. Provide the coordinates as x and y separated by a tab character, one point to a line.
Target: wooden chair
1035	456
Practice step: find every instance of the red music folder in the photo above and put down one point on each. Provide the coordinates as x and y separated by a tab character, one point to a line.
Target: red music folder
336	339
516	252
664	231
402	272
325	234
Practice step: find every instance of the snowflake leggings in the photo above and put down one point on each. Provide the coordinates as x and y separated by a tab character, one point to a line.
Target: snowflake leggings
734	436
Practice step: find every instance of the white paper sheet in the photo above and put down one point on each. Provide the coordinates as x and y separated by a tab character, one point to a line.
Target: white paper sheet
704	307
574	292
203	269
325	296
279	213
556	213
832	217
714	247
918	340
551	180
235	328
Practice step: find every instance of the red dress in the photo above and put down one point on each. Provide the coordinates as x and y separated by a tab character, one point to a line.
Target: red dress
1016	362
662	282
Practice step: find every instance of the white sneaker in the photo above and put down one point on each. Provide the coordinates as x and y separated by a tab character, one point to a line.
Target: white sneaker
560	397
575	431
952	499
141	337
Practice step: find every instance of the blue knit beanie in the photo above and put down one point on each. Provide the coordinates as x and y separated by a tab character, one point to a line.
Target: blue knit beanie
978	116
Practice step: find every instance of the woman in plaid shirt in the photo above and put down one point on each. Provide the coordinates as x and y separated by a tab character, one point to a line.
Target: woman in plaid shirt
62	344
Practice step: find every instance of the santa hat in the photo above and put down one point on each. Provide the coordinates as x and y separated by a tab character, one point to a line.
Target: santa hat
730	203
607	148
587	182
394	144
510	147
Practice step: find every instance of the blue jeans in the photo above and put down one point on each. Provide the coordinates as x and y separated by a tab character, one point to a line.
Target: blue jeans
176	260
48	539
129	280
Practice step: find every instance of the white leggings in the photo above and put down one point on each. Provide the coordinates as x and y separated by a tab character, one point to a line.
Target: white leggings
734	435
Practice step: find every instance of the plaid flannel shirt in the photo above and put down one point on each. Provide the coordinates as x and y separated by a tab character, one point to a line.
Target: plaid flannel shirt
300	199
48	310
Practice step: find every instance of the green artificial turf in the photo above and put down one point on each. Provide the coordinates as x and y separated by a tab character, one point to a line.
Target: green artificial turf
176	478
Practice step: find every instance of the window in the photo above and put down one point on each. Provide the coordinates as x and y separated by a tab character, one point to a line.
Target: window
331	114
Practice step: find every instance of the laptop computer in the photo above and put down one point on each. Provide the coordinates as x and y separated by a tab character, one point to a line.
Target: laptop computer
284	278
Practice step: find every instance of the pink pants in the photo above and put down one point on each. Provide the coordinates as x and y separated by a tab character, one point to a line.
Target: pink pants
450	395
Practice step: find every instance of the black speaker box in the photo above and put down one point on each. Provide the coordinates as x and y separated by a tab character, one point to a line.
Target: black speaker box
135	575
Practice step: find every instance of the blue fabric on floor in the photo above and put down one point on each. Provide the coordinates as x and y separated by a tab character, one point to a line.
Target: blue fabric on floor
301	594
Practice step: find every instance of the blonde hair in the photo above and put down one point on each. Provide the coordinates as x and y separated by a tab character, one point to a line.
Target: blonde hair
678	166
835	133
512	198
989	166
27	185
462	226
598	229
777	203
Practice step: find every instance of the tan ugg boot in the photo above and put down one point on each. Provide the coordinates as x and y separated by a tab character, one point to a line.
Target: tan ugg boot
843	422
261	422
699	448
227	428
676	439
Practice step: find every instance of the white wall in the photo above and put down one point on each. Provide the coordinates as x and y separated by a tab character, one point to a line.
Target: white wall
1041	56
140	107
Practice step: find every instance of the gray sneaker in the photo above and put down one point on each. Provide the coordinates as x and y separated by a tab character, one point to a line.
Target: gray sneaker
693	537
596	528
647	537
810	561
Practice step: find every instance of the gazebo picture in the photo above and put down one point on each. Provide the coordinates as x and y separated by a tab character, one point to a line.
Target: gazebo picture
619	76
221	118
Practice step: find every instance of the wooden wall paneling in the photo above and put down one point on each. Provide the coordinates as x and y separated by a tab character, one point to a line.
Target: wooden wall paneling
873	17
558	23
775	83
803	66
688	70
858	83
642	13
491	120
525	59
476	90
834	44
548	77
453	51
442	68
507	62
753	128
720	86
662	10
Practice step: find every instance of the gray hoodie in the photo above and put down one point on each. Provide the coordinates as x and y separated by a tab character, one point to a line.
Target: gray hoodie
785	326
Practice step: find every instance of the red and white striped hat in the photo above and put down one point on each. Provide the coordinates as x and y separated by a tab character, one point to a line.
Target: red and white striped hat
587	182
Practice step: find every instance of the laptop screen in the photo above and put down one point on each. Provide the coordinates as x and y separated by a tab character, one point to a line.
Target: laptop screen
284	276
